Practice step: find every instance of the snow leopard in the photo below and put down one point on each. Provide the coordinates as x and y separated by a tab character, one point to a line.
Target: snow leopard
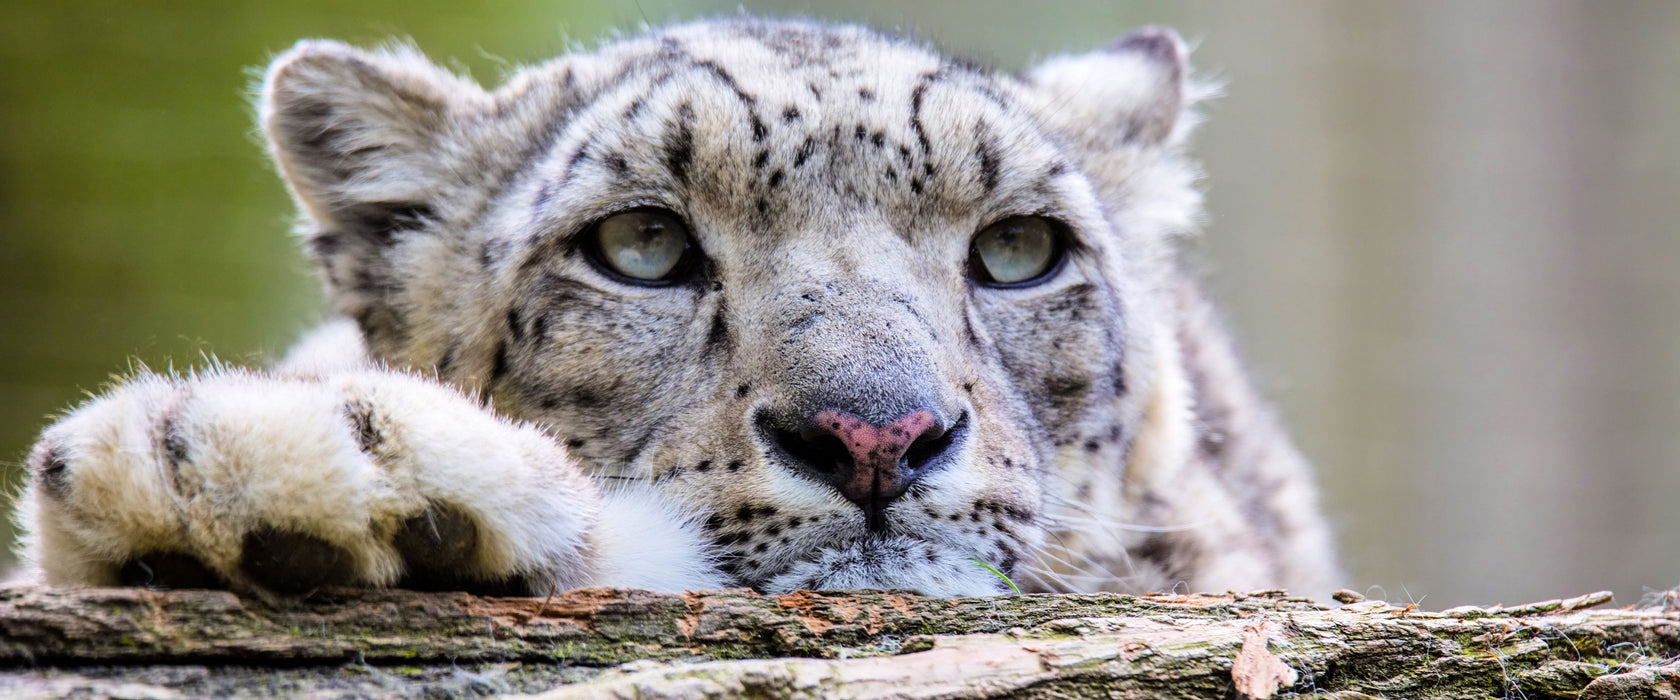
770	303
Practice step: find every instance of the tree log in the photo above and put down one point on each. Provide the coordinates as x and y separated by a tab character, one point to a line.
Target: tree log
624	643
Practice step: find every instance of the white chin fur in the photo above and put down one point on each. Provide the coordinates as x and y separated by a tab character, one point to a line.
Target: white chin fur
890	563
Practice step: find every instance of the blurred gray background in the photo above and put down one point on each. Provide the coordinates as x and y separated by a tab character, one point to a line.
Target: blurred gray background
1445	232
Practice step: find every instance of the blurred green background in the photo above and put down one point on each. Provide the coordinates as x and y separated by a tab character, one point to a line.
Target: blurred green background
1446	233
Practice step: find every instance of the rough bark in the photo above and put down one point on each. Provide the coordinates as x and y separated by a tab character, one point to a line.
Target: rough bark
619	643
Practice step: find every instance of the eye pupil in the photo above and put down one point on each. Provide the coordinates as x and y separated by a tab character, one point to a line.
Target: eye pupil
1015	251
647	245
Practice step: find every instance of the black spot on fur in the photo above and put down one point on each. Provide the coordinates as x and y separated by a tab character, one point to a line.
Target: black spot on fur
380	324
634	109
718	337
791	114
52	471
325	244
172	439
380	222
575	443
585	398
515	325
804	321
360	415
762	159
916	185
292	563
917	94
499	365
705	465
735	466
878	139
619	166
447	362
168	571
1173	555
986	151
806	150
579	157
776	178
1066	392
544	194
315	126
969	333
892	175
1074	303
742	391
860	133
759	129
728	80
365	282
679	151
539	328
866	94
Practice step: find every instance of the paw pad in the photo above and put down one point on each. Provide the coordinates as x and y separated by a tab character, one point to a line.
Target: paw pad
168	570
292	563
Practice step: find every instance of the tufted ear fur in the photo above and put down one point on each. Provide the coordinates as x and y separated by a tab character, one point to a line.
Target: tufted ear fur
364	139
375	147
1131	93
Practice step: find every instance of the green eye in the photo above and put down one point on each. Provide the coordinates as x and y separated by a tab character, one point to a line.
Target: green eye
646	245
1015	251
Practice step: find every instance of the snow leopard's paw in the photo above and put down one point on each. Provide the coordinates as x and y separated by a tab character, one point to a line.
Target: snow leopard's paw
280	486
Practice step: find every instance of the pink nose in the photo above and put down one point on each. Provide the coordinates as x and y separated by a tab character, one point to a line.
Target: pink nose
879	472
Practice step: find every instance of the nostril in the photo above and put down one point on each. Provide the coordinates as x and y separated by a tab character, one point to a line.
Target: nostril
824	454
932	444
870	465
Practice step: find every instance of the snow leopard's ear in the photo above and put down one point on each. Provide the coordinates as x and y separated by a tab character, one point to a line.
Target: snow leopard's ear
1132	92
365	140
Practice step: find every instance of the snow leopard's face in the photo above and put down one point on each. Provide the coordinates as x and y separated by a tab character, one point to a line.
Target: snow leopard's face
874	315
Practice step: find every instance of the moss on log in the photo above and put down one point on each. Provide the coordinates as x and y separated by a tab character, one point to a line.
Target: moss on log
622	643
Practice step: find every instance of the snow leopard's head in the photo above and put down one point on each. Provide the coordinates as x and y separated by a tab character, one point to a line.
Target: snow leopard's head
876	315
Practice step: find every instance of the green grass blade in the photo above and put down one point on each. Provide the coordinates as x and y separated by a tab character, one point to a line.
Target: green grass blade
997	573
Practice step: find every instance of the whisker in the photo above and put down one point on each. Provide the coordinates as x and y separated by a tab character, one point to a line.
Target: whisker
1121	551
